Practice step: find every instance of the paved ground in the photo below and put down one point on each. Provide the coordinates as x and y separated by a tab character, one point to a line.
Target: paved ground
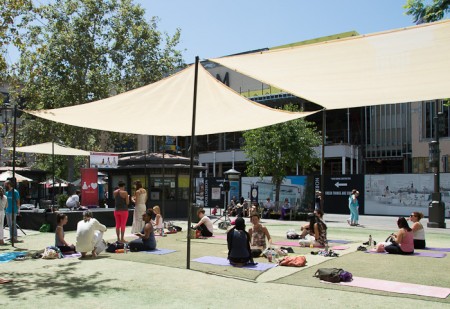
163	282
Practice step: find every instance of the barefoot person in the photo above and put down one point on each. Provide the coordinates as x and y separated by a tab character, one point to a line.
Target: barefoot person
418	230
158	223
238	240
139	199
60	242
258	234
146	239
121	201
89	234
205	224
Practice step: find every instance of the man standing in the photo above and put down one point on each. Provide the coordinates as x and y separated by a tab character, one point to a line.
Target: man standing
10	191
73	202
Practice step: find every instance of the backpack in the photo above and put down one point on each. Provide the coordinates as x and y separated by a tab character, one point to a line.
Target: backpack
114	246
329	274
52	253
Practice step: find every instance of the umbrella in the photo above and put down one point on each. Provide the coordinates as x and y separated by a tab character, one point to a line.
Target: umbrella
8	174
58	183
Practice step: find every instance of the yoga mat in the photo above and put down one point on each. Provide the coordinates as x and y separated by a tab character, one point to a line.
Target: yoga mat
424	254
339	248
9	256
291	244
72	255
437	249
214	260
218	236
339	241
159	251
398	287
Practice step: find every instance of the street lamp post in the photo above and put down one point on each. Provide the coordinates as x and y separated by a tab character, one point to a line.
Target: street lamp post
436	209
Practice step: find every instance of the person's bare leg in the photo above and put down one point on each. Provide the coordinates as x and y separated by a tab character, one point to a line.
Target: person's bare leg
3	280
122	234
118	234
94	254
83	254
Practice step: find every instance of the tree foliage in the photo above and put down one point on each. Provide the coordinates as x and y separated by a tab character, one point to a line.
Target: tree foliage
276	150
11	21
76	51
426	13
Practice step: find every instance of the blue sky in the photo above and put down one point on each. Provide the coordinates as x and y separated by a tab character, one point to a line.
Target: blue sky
217	28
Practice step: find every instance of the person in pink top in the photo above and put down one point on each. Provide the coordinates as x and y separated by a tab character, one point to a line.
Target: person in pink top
403	240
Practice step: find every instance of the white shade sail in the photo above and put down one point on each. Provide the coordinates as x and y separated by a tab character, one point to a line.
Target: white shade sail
8	174
165	108
404	65
47	148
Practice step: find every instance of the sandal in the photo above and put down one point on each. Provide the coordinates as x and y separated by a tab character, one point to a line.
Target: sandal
20	258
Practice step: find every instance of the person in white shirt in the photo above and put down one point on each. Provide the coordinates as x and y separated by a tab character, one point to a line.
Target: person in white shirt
205	224
3	205
74	200
90	235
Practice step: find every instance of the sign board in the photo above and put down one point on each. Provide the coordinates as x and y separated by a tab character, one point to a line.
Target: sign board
89	186
337	191
104	160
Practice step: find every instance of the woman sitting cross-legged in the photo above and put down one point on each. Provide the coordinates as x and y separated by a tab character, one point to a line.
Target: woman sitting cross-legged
239	253
403	241
418	230
318	232
60	242
146	240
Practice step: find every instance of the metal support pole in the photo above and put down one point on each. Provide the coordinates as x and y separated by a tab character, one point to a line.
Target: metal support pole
14	182
191	169
322	169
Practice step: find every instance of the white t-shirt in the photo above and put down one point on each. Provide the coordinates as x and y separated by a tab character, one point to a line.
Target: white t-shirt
85	234
207	222
73	201
3	203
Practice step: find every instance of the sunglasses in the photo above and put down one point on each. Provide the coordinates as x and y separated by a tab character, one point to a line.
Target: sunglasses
411	215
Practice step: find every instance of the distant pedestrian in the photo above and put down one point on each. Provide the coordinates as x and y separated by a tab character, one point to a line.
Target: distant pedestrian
318	201
10	209
353	205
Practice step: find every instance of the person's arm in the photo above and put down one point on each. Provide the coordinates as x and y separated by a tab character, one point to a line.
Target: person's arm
202	221
77	202
230	239
135	196
157	219
250	233
266	232
99	226
399	237
416	226
316	231
18	201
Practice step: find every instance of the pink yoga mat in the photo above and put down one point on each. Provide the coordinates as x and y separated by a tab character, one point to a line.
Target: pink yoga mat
398	287
219	236
339	247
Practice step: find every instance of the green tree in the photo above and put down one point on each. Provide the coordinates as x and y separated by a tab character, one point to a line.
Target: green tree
426	13
11	21
276	150
76	51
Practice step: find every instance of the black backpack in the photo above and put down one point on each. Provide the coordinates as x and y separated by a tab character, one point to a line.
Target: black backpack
114	246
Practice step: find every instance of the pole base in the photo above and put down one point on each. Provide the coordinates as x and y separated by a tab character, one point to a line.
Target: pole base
437	225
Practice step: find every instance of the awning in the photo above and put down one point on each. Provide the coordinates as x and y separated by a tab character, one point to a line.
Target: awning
165	108
397	66
8	174
47	148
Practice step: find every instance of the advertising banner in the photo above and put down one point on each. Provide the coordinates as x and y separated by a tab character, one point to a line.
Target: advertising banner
400	194
89	186
104	160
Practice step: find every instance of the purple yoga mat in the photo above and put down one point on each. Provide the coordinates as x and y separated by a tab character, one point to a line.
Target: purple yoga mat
214	260
425	254
159	251
437	249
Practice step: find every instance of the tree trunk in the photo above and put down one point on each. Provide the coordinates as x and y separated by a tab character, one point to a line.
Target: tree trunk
70	168
277	193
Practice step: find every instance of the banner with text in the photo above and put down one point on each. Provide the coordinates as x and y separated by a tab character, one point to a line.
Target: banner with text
89	186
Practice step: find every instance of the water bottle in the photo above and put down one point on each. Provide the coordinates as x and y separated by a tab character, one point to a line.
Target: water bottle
311	244
370	241
125	248
269	255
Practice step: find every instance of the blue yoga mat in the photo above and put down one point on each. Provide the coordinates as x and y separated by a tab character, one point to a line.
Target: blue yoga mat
214	260
159	251
8	256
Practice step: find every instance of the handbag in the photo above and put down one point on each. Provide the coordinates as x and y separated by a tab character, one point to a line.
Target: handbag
329	274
